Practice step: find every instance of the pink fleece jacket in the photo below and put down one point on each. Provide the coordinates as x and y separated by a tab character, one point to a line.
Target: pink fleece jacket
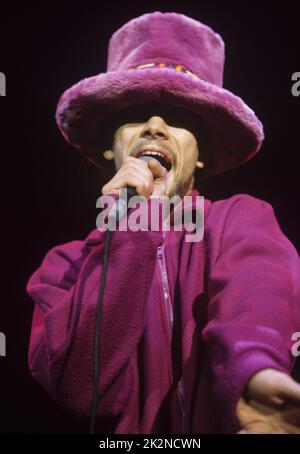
185	324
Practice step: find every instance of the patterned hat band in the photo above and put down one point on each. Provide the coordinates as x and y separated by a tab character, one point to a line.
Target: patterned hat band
175	67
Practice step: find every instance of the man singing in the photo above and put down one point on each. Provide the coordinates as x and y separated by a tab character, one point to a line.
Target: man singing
196	337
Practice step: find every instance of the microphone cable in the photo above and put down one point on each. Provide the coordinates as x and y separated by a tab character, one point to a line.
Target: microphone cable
117	213
95	397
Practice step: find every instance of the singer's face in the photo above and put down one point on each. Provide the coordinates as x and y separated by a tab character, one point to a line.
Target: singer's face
167	133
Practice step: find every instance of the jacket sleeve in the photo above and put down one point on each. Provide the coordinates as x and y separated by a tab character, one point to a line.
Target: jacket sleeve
65	290
254	298
52	288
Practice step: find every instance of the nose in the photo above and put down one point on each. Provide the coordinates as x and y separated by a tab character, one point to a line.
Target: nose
155	128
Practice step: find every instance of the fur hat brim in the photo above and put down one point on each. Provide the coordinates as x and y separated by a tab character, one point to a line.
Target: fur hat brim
85	109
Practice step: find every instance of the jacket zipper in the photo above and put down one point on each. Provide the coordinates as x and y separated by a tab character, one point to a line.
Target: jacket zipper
169	309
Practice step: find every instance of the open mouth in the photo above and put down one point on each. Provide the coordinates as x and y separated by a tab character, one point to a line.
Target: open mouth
159	155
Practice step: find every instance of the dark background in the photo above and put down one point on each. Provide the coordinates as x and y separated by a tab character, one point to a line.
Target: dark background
48	193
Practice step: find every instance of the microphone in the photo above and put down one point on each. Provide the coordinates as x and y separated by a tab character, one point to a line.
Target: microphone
120	208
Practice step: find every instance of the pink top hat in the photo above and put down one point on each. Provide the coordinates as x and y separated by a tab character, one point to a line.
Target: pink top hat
167	58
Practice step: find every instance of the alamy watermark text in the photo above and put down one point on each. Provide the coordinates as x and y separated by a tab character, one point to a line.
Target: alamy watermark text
155	214
2	344
2	84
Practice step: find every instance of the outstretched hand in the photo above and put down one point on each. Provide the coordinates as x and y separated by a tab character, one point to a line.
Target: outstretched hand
271	404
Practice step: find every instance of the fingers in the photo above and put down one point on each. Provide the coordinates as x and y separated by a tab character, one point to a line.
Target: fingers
290	390
158	171
143	186
258	418
273	387
138	174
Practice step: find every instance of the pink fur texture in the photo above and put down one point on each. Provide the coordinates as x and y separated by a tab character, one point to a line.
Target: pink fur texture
171	38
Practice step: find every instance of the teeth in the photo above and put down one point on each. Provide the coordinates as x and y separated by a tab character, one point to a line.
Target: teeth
153	153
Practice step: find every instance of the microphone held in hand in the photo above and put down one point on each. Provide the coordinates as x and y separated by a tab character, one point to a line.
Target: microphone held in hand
120	208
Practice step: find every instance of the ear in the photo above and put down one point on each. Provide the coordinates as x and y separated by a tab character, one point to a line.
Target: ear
108	154
200	164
